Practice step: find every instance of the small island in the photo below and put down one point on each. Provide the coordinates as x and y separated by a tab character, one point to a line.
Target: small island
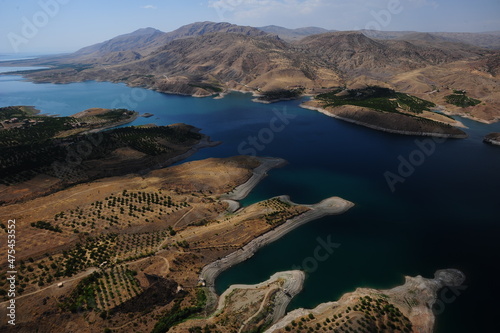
493	138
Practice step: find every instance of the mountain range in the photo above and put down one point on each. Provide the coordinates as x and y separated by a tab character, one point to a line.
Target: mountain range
207	58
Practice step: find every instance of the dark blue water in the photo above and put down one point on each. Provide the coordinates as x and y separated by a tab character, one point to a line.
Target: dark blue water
444	215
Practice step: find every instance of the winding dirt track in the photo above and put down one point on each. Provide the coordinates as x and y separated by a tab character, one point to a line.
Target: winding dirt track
78	277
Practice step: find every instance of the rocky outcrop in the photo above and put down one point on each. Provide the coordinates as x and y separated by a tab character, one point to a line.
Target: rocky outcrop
493	138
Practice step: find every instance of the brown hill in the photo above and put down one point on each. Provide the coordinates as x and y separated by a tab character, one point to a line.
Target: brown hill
254	61
488	40
423	36
210	63
142	42
205	58
200	29
134	41
355	53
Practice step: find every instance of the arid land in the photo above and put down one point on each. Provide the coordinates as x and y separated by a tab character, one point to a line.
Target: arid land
140	253
110	238
211	59
126	252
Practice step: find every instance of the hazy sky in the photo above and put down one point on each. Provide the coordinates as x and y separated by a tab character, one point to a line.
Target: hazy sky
67	25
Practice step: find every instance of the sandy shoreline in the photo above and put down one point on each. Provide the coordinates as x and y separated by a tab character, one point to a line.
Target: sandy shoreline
259	173
421	315
116	124
210	272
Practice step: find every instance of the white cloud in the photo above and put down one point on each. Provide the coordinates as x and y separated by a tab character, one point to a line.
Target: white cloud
149	7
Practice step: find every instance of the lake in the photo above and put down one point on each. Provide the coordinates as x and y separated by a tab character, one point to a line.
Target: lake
444	215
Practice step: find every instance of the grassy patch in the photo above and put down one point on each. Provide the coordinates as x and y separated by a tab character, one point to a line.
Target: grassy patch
201	298
20	112
83	296
280	94
459	98
32	149
31	129
376	98
46	225
175	316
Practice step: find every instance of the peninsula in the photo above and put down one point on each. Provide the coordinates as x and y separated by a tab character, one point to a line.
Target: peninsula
386	110
408	308
154	241
41	154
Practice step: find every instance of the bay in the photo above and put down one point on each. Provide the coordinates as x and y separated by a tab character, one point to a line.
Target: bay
444	215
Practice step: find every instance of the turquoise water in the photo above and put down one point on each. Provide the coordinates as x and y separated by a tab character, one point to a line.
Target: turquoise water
444	215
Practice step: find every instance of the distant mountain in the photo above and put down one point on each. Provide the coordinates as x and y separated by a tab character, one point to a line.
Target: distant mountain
293	34
379	34
488	41
423	36
135	45
204	64
204	58
353	52
123	48
485	40
200	29
136	41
